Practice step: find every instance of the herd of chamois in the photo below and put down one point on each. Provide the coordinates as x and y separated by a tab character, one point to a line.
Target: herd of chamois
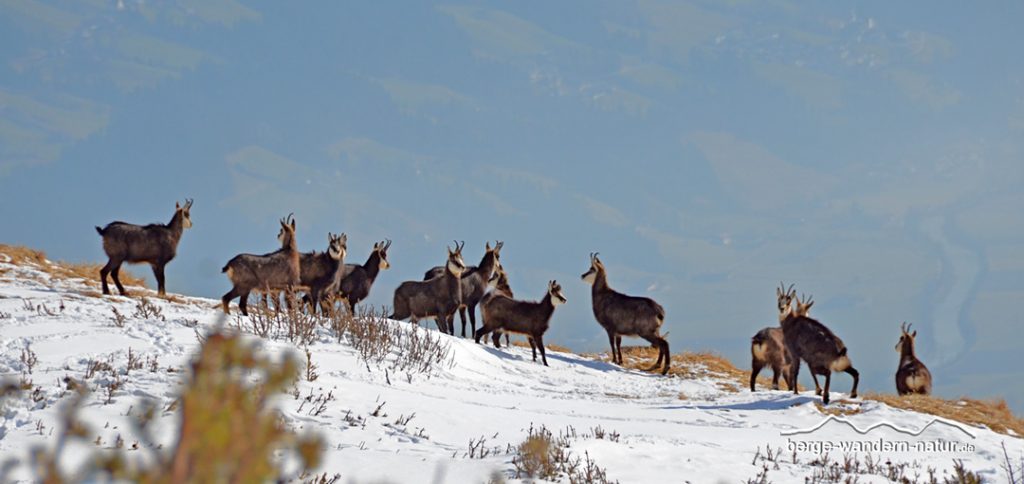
455	287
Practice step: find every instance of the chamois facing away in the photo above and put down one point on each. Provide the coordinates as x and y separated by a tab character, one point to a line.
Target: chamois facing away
276	270
528	318
358	279
621	315
911	376
809	340
156	244
474	282
320	272
437	298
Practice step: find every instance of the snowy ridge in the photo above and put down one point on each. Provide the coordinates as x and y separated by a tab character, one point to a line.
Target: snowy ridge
666	429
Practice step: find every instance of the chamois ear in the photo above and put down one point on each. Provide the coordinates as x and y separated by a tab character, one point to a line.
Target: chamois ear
487	246
177	206
914	335
343	238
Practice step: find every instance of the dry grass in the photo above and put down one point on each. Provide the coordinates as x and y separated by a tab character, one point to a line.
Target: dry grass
547	346
837	410
994	414
693	365
87	271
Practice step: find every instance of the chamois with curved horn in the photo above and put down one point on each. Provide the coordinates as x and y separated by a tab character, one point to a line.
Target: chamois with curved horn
156	244
527	318
438	298
621	315
809	340
474	282
276	270
320	272
912	377
767	347
358	279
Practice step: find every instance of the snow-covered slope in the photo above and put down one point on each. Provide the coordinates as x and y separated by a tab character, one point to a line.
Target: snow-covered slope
656	429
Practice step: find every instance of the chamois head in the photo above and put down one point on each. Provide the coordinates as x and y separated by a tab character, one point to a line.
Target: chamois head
595	266
455	263
803	305
381	248
784	299
183	212
555	291
337	246
906	342
287	234
496	250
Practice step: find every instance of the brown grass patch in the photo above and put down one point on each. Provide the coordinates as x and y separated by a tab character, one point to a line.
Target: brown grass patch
693	365
88	272
547	346
994	414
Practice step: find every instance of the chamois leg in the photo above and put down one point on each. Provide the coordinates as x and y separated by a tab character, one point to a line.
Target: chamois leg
480	333
611	341
243	301
663	347
794	371
856	380
776	371
618	347
533	347
506	340
462	316
755	369
103	275
116	275
158	273
539	340
817	388
225	301
472	317
828	381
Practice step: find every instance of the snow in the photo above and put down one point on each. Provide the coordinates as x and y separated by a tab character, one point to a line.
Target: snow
669	429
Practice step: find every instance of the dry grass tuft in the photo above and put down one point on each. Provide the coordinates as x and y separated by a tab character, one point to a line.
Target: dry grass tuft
87	271
994	414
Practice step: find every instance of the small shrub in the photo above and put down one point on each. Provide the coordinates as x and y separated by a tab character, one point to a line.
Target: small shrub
145	309
118	318
28	359
229	431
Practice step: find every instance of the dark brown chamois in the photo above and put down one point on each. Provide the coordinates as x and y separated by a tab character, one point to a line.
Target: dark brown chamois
912	377
767	347
438	298
320	272
809	340
358	279
621	315
276	270
499	287
474	282
156	244
528	318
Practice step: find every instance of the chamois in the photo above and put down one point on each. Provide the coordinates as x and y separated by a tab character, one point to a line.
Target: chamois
438	298
621	315
474	282
276	270
499	287
358	279
528	318
911	376
320	272
156	244
768	348
809	340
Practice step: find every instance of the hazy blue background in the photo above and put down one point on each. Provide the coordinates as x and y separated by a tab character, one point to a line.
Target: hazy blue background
870	153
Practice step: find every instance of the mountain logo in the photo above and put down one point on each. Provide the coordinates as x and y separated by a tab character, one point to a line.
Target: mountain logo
902	430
